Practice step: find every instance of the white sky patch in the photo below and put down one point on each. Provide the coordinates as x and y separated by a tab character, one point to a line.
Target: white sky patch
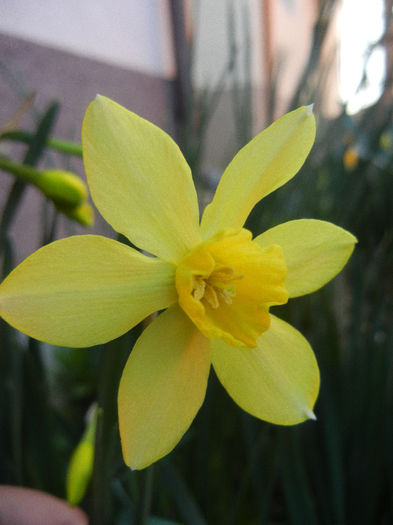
361	24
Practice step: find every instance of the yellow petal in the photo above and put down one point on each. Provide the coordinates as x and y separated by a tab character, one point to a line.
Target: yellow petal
84	290
278	381
162	387
314	252
139	180
263	165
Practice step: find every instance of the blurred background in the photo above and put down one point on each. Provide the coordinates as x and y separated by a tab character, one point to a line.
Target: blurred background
212	74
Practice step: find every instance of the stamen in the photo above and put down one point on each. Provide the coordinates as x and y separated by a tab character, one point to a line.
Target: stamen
211	296
226	294
225	273
199	287
216	287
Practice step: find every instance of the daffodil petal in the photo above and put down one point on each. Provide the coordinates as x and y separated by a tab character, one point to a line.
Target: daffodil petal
278	381
162	387
267	162
84	290
139	180
314	251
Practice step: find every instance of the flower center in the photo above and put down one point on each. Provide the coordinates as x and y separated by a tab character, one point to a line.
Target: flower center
227	284
217	287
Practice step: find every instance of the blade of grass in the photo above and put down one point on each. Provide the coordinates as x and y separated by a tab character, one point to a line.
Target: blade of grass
181	495
295	481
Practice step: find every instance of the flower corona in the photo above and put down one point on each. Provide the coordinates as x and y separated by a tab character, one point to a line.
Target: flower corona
227	284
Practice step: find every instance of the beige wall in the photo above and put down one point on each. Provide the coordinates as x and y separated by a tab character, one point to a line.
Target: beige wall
291	29
134	34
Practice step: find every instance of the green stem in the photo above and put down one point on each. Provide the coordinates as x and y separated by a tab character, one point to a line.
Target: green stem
10	209
16	377
147	492
26	137
107	444
62	187
32	156
22	171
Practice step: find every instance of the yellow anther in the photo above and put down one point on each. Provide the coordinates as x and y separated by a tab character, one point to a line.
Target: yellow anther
217	286
211	296
226	295
199	287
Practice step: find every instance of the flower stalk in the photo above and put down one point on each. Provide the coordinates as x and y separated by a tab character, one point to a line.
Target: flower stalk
26	137
62	187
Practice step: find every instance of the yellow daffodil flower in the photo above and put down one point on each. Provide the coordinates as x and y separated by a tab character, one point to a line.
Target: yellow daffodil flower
216	282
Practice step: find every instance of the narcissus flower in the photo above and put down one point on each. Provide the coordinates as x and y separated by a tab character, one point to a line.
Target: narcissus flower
216	282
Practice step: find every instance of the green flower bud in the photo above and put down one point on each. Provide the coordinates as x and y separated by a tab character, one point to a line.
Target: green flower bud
62	187
80	467
83	213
